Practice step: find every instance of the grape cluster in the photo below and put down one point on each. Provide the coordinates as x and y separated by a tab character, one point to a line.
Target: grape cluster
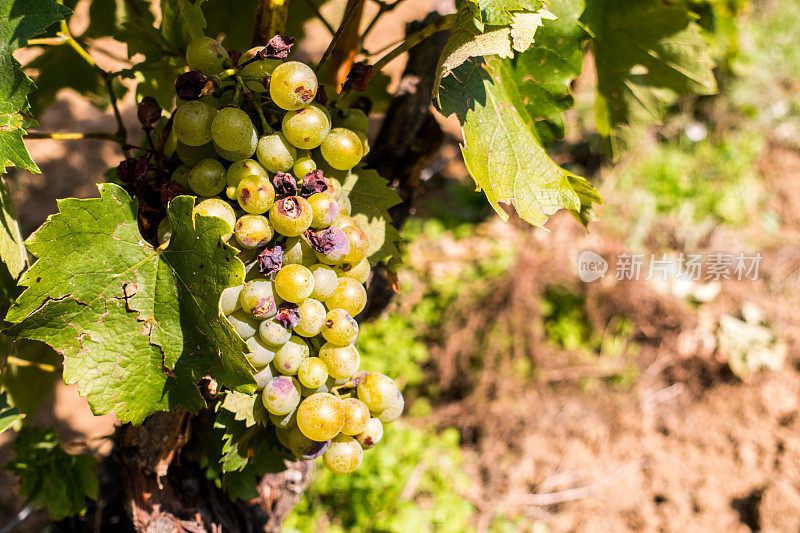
271	167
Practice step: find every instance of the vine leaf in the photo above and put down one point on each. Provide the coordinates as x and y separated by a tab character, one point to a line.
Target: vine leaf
49	477
645	53
469	38
137	327
8	413
19	21
371	198
247	408
501	151
542	75
500	12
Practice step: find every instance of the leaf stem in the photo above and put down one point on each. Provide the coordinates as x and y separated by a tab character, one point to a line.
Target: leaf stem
16	361
73	136
444	23
354	10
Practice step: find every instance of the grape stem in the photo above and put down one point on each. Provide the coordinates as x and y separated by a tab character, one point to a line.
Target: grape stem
264	123
444	23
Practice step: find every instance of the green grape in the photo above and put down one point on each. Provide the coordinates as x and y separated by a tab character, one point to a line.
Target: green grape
283	437
294	283
303	447
342	149
291	216
298	252
289	356
273	333
352	119
312	373
393	412
207	178
328	171
242	169
233	131
334	187
345	206
345	221
293	85
340	328
324	110
324	210
284	421
356	416
181	176
349	296
231	155
312	317
253	231
192	123
359	244
191	155
170	145
305	128
364	142
281	395
255	194
243	324
377	391
307	391
229	300
276	153
261	355
302	166
260	69
372	434
206	55
359	271
214	207
342	361
320	416
325	279
258	299
164	231
344	455
263	376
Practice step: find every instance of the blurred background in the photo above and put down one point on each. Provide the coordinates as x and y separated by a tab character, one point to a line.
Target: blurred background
537	401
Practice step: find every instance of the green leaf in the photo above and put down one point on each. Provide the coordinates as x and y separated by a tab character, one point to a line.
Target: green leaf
501	12
8	413
19	21
471	39
234	24
42	367
12	251
645	52
247	408
49	477
157	79
61	67
108	17
371	199
137	327
500	149
542	75
182	21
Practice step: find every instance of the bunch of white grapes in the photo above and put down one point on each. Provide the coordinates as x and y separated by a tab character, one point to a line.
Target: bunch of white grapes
269	167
